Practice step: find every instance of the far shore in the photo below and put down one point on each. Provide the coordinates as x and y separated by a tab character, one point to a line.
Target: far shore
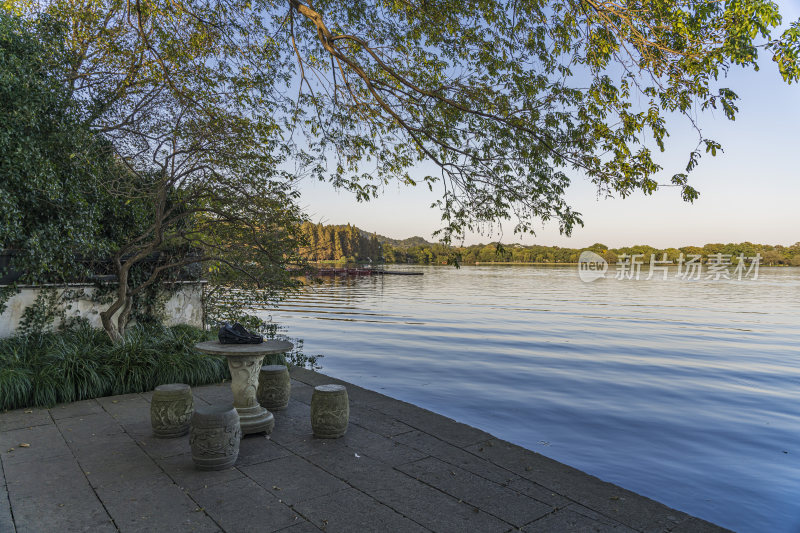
485	263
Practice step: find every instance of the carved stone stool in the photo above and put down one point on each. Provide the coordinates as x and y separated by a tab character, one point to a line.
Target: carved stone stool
171	410
215	437
274	387
330	411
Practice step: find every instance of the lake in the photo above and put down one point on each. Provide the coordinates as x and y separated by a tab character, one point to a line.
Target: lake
684	391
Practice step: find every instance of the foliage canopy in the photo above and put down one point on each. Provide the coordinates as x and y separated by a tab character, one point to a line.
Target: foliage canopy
218	107
54	211
509	100
167	179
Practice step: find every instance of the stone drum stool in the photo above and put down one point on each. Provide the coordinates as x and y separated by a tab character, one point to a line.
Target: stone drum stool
171	410
215	437
274	387
330	411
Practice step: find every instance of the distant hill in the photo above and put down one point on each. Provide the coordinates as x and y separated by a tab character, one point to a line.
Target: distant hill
349	243
402	244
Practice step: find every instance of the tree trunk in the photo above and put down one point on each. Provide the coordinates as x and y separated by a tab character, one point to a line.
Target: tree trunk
124	315
108	324
122	303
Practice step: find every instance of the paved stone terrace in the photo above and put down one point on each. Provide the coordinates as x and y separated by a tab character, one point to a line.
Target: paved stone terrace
94	466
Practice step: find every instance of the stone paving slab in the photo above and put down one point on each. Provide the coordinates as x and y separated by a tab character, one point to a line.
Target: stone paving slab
496	499
95	466
432	446
6	520
570	520
53	494
254	450
293	480
635	511
243	505
182	471
352	510
153	503
17	445
70	410
24	418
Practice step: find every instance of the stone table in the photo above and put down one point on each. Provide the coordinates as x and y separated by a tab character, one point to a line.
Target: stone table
244	361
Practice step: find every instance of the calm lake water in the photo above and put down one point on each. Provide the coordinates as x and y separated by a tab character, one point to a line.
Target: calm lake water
685	391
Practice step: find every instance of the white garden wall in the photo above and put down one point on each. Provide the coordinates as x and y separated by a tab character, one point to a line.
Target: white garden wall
184	307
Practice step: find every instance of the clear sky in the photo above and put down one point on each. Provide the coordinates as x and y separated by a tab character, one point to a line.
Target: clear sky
751	192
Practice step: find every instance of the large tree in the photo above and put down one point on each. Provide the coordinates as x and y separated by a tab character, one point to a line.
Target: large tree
512	100
55	215
109	168
509	101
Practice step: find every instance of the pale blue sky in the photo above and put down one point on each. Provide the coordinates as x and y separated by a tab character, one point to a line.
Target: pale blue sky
749	193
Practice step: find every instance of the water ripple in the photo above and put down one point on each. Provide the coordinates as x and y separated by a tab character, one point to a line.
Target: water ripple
684	392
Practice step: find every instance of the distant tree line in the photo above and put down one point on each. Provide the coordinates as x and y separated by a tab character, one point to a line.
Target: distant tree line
349	243
339	243
770	255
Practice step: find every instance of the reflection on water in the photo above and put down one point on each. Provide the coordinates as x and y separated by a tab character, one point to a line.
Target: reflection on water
687	392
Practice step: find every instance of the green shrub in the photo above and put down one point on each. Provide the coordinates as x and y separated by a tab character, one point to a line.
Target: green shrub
80	363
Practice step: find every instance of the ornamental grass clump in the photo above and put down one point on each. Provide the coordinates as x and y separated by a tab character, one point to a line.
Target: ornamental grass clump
79	363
